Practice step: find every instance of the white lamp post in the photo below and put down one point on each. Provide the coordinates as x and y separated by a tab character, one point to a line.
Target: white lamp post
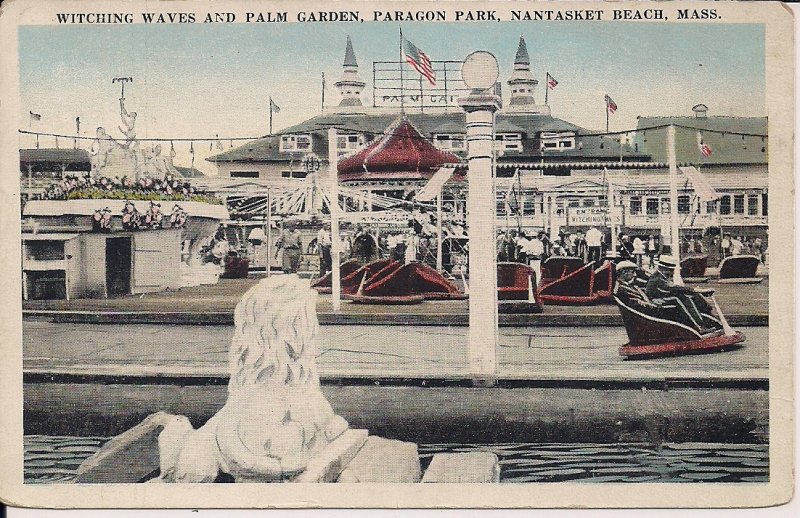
480	72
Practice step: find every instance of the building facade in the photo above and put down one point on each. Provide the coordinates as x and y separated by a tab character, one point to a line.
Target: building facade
550	173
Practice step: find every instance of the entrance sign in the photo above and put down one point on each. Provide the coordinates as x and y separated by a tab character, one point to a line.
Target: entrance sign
593	216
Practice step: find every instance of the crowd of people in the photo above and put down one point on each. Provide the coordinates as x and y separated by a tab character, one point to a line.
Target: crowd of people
741	245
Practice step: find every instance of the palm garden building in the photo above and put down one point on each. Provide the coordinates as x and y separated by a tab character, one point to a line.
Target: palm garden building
550	173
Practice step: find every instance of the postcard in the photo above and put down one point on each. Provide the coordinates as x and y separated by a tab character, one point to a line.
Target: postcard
271	254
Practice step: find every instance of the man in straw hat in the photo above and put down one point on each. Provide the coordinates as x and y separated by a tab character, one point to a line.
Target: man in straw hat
664	293
627	288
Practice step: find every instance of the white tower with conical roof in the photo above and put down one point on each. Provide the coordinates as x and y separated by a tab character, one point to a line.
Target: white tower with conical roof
350	85
522	85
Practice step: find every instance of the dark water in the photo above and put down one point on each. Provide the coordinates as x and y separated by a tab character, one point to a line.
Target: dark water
50	459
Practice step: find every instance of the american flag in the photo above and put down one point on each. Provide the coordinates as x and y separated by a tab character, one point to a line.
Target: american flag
551	82
704	148
419	61
610	104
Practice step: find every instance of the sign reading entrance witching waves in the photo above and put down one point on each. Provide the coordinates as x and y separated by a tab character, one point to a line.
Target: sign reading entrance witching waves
273	254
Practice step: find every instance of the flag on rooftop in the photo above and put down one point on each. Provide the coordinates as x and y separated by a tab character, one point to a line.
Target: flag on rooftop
704	148
274	107
35	116
551	82
418	60
611	106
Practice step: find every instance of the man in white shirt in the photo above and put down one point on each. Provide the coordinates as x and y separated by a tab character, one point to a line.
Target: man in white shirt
736	246
534	250
324	249
594	241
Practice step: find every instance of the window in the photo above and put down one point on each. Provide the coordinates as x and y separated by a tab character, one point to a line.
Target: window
508	142
293	174
752	205
574	203
665	206
711	207
501	207
725	205
764	205
588	202
452	142
296	143
652	206
244	174
349	143
557	141
683	205
738	204
529	206
636	205
45	250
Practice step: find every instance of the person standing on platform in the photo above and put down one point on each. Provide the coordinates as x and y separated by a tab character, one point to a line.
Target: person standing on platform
523	243
758	249
652	249
594	242
324	250
291	244
638	250
736	246
535	253
581	250
726	246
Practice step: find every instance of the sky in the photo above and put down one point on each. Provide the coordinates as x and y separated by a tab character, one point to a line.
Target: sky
199	81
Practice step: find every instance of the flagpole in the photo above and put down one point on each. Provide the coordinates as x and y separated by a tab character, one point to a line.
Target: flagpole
607	101
402	104
421	99
323	91
270	115
546	87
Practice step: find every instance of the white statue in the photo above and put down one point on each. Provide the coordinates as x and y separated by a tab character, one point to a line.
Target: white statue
129	121
275	418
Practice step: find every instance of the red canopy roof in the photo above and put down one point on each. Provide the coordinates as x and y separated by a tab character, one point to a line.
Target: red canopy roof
402	153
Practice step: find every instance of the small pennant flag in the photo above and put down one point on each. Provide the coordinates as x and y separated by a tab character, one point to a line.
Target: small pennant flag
35	116
219	143
611	106
551	82
274	108
419	61
704	148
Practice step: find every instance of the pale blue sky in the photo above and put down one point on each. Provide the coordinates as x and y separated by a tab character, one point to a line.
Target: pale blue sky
200	80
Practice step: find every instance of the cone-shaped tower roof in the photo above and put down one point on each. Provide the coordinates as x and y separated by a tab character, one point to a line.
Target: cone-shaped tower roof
350	55
522	57
401	153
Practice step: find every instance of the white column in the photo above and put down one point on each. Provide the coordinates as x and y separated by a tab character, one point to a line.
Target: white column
333	177
675	242
480	108
268	232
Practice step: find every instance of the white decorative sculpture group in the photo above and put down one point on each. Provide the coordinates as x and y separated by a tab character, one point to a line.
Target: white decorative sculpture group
112	157
275	418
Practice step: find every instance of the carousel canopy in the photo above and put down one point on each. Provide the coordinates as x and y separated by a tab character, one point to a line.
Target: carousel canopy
402	153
